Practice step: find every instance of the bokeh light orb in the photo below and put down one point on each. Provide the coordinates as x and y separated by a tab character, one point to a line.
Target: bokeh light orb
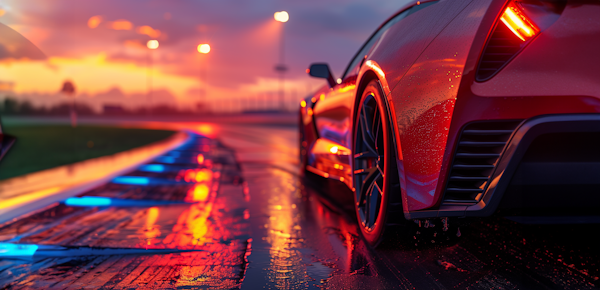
282	16
204	48
152	44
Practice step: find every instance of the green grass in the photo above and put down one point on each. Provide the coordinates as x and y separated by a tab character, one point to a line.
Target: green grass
40	147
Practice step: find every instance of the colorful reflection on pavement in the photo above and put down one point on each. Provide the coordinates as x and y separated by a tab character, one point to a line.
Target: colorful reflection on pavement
204	239
194	207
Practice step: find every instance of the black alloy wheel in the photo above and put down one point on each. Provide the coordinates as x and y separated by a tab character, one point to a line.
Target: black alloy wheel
373	164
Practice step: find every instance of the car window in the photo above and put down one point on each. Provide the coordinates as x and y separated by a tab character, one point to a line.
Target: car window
354	66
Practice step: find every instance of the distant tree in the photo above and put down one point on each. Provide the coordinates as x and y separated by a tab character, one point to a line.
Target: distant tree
26	108
84	109
10	106
60	109
163	110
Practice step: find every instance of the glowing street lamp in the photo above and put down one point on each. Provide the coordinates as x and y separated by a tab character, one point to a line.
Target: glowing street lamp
283	17
204	48
152	45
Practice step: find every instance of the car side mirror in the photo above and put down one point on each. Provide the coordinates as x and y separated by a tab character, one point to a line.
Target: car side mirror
321	70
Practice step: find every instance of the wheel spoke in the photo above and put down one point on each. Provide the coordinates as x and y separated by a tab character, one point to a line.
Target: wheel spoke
361	172
367	206
366	201
365	125
375	196
369	162
376	130
371	175
365	155
380	170
361	122
373	203
367	136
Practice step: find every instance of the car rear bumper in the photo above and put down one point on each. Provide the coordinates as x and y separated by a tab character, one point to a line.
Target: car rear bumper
549	167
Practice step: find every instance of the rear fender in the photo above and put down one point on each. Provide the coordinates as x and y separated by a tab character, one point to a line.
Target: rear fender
369	71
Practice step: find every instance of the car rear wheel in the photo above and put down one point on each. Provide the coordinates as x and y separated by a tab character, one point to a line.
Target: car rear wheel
374	176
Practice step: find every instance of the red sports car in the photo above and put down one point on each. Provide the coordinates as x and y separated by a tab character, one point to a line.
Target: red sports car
465	108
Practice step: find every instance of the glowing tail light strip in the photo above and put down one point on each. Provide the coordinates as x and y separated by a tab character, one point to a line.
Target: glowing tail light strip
518	22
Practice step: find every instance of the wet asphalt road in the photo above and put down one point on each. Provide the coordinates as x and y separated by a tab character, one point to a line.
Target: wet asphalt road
232	211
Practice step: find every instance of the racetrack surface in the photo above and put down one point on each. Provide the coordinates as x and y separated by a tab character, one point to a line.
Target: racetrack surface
244	217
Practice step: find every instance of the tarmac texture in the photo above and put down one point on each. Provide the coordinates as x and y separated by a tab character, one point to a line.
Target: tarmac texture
231	209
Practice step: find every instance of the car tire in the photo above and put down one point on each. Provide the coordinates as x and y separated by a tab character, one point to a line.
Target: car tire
375	177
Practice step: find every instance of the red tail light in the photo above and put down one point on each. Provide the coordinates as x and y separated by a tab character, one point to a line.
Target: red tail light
514	18
519	23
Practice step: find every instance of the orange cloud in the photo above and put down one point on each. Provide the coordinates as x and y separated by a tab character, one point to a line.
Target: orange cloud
121	24
92	74
134	44
6	86
147	30
94	21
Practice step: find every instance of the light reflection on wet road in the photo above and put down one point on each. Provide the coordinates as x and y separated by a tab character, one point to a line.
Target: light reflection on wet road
232	212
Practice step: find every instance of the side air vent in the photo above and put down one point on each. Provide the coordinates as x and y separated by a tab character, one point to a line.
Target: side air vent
479	148
502	46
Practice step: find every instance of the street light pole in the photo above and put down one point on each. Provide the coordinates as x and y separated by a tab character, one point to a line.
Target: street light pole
282	17
152	45
69	90
282	69
203	49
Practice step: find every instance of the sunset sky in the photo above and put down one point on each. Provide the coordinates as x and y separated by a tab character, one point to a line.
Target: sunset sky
101	47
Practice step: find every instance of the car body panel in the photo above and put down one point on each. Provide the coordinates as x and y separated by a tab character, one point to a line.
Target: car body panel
334	108
426	64
399	48
558	56
555	74
424	108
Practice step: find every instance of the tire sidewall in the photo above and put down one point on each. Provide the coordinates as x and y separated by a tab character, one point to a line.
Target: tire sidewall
374	236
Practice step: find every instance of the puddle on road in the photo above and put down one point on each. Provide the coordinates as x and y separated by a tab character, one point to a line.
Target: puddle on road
301	242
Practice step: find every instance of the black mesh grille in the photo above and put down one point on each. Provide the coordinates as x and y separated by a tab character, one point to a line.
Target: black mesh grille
479	148
502	46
